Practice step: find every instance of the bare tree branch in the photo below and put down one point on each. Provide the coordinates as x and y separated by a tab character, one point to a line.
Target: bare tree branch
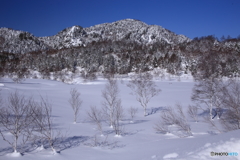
193	112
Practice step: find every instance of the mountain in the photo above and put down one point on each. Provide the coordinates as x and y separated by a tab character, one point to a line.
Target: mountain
120	47
13	41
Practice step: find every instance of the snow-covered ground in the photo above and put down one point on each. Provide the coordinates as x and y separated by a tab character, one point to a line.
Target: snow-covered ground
139	141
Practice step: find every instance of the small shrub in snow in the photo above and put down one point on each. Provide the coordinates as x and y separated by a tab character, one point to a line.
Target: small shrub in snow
132	112
102	142
88	75
170	117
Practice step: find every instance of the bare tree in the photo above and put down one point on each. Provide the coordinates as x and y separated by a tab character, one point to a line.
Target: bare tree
112	107
96	116
16	119
132	112
118	115
143	88
75	102
206	92
231	102
193	112
43	120
111	100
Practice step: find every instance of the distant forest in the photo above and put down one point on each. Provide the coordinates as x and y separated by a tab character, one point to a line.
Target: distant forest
203	57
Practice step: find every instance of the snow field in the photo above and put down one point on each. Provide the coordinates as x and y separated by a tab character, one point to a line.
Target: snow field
139	141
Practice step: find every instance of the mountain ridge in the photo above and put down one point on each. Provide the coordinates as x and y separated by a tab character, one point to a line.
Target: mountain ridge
129	29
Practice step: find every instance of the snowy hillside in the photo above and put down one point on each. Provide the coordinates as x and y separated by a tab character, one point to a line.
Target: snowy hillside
139	140
69	37
128	29
132	30
120	47
13	41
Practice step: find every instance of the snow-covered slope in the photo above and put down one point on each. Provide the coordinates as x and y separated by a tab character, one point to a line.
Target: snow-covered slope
69	37
14	41
134	30
129	29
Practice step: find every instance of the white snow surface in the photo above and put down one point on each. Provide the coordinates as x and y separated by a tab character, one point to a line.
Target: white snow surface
171	155
139	141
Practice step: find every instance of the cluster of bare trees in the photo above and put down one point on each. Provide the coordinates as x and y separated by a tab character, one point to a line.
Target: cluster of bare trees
223	98
219	99
112	111
231	103
27	121
207	93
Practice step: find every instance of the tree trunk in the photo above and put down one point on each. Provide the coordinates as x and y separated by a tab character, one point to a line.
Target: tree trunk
15	144
210	113
75	119
145	112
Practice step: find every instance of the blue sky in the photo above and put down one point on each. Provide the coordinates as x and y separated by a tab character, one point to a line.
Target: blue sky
193	18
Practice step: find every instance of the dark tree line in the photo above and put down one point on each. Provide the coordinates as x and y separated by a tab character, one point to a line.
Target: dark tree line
204	57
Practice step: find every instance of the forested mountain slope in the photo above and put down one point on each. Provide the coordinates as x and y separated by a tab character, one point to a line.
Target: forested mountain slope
120	47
